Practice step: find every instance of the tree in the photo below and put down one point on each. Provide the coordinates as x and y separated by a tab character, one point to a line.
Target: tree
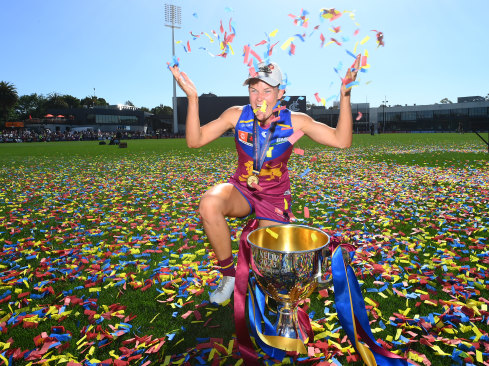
73	102
8	98
29	105
446	101
93	101
101	102
56	101
162	110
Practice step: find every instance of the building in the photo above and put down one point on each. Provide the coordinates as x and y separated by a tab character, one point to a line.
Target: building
329	116
450	117
470	114
104	118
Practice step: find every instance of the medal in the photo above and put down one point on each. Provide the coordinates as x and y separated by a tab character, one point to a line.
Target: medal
252	179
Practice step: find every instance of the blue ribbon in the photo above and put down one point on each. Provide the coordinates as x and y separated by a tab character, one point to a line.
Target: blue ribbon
256	314
352	314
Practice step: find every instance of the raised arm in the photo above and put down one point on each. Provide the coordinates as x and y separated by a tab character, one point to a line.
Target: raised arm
342	135
196	135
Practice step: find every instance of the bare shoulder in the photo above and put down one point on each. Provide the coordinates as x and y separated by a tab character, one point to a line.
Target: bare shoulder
300	120
232	114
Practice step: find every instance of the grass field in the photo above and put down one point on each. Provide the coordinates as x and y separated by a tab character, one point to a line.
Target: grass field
104	257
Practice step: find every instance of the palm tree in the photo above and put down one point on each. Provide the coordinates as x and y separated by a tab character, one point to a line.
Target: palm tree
8	98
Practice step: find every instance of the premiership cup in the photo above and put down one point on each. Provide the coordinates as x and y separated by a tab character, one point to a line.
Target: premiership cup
287	262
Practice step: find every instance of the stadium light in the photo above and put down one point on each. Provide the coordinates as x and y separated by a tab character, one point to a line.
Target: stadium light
384	104
173	19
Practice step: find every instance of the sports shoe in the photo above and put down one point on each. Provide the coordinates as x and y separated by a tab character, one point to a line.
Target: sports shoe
223	291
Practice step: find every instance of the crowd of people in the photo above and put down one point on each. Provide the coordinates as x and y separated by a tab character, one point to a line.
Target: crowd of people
46	135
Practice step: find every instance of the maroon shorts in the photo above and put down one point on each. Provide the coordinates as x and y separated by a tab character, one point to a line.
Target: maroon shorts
266	207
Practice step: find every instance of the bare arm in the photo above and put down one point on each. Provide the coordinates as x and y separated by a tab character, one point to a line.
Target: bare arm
196	135
342	135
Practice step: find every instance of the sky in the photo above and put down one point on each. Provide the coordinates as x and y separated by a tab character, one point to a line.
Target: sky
119	49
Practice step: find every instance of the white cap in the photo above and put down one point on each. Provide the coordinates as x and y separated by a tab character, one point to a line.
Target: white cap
270	74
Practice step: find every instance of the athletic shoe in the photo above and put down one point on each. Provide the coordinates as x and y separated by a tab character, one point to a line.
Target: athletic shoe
223	291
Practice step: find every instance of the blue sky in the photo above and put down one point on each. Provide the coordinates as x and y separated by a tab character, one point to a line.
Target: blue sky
433	49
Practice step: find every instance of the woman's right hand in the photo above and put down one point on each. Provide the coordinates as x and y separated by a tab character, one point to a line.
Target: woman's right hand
184	82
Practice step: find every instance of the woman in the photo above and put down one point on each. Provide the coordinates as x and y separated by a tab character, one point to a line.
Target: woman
261	182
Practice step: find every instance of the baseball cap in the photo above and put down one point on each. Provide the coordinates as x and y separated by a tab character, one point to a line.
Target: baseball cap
269	73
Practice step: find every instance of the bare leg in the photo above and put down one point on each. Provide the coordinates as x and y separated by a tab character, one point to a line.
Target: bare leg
219	202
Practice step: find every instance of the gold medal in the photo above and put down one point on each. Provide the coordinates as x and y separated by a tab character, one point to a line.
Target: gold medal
252	179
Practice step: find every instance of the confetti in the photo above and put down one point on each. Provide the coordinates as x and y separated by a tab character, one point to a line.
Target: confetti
295	136
272	233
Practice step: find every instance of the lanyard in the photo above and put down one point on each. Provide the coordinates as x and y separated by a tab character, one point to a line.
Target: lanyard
259	152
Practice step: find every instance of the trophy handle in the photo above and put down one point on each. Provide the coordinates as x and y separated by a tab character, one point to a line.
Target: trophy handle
323	263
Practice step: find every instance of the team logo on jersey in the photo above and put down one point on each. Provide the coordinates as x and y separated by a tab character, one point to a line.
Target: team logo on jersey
245	136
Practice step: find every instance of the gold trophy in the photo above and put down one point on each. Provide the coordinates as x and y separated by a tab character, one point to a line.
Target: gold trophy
287	261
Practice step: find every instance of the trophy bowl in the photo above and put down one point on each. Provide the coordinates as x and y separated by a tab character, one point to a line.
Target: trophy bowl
286	262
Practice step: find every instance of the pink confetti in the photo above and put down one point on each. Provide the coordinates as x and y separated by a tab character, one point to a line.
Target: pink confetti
306	212
278	109
271	49
246	52
335	41
292	49
252	72
359	117
257	187
295	137
364	61
255	55
298	151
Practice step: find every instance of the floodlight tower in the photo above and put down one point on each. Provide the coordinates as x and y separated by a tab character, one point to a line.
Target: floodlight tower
384	104
173	19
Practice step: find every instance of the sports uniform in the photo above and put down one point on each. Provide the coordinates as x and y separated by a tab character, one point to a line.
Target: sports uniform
272	202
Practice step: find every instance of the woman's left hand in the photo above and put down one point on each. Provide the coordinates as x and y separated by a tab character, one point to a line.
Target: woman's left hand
351	76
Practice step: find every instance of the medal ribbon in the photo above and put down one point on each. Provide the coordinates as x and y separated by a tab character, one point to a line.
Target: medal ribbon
260	151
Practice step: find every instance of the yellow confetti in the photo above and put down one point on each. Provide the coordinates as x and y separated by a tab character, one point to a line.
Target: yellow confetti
355	48
363	41
398	333
154	317
287	43
439	351
478	356
210	38
274	33
275	235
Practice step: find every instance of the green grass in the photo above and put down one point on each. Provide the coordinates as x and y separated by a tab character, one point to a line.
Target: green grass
78	215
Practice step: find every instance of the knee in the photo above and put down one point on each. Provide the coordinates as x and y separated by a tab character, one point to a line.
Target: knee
210	207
